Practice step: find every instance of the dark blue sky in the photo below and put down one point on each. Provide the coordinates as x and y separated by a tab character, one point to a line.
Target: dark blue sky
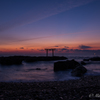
38	24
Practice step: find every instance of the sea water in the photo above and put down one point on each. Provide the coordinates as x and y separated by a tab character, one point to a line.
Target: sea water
43	71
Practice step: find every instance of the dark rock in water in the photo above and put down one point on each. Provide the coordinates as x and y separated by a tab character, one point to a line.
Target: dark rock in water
50	58
64	65
38	68
10	60
17	60
33	59
95	59
83	63
85	59
92	59
61	65
30	59
78	71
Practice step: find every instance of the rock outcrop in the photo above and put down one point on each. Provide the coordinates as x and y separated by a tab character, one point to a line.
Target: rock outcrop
34	59
17	60
64	65
92	59
79	71
12	60
95	59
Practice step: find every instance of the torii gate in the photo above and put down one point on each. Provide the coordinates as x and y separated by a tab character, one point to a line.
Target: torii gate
50	50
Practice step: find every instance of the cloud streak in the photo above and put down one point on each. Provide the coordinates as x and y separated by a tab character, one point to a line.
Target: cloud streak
47	9
84	47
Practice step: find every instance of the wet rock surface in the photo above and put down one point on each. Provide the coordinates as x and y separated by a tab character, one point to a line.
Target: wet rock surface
86	88
79	71
64	65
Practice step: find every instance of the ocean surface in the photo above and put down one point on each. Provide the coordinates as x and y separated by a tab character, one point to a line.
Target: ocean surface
28	72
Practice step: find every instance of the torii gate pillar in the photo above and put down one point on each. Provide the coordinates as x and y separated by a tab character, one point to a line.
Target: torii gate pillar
46	52
53	52
50	50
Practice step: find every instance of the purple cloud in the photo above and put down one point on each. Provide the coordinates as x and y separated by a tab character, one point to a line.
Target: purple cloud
40	49
56	46
63	49
32	49
66	47
84	47
21	47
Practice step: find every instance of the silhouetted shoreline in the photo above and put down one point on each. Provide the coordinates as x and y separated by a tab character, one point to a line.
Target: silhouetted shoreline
17	60
85	88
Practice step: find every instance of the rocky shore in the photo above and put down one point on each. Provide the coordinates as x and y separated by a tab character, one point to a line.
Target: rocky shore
17	60
85	88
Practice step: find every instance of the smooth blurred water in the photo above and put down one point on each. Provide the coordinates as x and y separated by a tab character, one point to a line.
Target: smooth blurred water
28	71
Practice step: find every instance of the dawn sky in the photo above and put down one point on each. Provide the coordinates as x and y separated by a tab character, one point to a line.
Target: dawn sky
30	26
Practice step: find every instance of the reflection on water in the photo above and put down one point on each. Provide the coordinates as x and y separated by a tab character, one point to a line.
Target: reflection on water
37	71
42	71
93	68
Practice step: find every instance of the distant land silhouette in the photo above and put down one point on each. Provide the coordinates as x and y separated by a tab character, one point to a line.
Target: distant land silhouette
17	60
